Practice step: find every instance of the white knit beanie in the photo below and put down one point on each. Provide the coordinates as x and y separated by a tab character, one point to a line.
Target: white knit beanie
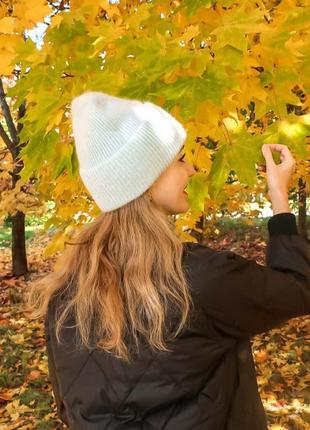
122	145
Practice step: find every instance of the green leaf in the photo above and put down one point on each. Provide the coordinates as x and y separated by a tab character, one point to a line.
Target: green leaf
197	191
192	5
38	151
219	171
63	162
230	56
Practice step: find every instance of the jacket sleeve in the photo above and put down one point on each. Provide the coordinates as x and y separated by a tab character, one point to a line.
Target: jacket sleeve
245	298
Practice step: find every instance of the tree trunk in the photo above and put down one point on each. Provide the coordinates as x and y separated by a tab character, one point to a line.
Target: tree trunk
11	139
302	209
19	256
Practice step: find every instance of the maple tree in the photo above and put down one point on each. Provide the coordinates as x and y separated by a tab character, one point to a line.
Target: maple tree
235	73
16	197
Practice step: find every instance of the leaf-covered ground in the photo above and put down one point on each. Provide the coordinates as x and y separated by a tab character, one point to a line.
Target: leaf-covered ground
282	356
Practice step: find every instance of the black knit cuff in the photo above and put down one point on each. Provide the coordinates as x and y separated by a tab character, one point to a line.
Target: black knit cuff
282	223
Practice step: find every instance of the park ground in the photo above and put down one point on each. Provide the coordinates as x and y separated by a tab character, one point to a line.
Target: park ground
282	355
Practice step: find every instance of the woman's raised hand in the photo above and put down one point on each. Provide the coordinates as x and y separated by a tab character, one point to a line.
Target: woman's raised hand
278	175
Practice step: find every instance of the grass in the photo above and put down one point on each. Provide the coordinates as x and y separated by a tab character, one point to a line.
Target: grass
240	227
5	234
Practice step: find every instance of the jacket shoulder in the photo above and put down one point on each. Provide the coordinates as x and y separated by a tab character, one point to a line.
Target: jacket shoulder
199	252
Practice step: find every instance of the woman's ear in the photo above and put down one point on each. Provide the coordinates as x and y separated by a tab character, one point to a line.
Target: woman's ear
150	195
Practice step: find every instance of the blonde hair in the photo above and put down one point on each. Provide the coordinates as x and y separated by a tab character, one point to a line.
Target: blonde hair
125	273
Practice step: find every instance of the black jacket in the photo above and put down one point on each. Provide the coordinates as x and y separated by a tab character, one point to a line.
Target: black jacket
209	381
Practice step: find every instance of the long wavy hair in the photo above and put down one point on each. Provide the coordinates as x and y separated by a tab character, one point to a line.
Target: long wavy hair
123	279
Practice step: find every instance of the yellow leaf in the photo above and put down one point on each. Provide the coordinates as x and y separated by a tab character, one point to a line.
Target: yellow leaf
208	113
5	61
18	339
7	24
36	10
55	120
43	366
56	244
190	32
56	20
262	380
14	409
202	159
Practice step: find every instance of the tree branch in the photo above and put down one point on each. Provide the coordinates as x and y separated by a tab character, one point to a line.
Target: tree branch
8	117
7	140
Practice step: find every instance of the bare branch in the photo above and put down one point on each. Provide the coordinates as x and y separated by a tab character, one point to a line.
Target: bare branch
7	140
8	117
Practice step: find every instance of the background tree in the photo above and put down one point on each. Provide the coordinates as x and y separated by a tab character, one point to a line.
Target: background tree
17	197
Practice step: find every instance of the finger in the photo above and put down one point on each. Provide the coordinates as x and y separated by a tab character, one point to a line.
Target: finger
280	148
276	145
283	149
285	154
266	150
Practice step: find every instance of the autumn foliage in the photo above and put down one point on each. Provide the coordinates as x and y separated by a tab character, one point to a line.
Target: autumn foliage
235	73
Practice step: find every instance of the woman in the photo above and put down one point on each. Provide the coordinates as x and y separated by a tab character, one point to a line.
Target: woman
144	331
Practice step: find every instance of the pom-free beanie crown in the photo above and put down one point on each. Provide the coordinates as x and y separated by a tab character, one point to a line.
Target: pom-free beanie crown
122	145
